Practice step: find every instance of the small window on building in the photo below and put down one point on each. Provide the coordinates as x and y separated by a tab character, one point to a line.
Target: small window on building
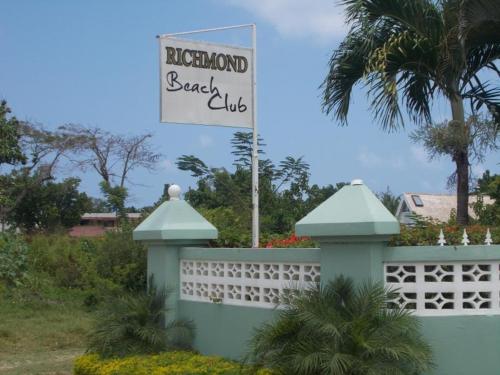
418	202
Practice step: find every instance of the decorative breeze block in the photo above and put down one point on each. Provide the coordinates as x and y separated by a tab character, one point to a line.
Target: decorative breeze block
254	284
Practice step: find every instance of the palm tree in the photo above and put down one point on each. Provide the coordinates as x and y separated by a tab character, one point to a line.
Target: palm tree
341	330
424	50
135	324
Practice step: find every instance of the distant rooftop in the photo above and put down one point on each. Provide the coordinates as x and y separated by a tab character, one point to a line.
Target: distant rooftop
108	215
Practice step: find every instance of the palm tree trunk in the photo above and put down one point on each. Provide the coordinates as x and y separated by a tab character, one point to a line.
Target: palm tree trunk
461	159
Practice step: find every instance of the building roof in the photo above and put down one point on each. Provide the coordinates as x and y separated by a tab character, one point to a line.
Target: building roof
436	206
108	215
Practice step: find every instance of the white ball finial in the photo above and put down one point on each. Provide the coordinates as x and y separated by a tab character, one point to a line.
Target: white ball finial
174	192
357	182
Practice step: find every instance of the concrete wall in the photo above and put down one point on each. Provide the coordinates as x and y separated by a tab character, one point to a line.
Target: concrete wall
353	229
463	345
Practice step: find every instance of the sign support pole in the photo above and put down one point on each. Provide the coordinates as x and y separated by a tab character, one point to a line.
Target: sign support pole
255	148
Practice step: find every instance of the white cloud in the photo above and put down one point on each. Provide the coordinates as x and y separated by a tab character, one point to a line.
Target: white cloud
370	160
205	141
397	163
322	19
419	154
167	165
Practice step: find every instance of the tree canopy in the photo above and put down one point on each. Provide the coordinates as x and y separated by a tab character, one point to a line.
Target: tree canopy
408	54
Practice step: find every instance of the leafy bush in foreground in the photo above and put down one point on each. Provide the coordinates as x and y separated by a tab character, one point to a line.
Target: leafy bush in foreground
172	363
111	262
341	330
122	260
13	259
135	324
65	260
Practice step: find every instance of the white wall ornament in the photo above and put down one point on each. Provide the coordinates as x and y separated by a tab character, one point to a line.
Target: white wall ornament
465	239
441	240
488	240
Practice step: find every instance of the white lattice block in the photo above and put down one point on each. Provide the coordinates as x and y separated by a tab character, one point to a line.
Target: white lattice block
255	284
445	288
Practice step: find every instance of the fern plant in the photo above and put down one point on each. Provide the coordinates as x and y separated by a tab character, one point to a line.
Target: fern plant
136	323
341	330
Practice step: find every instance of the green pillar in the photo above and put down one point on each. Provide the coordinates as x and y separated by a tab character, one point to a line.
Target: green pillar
173	225
353	228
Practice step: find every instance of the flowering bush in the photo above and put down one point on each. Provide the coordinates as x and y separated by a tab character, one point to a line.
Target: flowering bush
291	241
170	363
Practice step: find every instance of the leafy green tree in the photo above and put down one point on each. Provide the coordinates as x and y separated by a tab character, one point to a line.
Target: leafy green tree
445	139
50	205
283	190
408	53
43	150
488	214
389	200
341	329
10	137
115	197
225	196
242	143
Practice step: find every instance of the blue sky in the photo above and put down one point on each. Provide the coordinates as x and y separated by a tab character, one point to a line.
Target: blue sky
95	63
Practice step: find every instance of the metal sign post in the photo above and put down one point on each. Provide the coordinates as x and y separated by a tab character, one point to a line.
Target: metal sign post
255	147
208	84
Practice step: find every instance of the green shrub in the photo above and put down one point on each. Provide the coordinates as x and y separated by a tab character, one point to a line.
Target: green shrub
65	259
134	323
122	260
234	227
97	265
172	363
13	259
341	329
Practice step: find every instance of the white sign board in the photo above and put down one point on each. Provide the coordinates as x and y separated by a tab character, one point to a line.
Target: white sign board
205	83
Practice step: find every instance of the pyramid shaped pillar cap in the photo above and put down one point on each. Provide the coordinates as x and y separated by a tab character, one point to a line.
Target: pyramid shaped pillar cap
175	219
353	211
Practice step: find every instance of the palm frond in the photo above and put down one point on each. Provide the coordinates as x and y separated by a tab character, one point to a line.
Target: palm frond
135	324
347	67
479	22
484	95
481	57
420	16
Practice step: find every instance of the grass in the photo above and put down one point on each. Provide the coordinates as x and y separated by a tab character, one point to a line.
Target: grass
42	335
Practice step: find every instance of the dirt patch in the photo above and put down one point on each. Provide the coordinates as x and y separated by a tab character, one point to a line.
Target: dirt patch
57	362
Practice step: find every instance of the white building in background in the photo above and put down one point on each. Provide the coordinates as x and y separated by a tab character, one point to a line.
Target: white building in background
435	206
